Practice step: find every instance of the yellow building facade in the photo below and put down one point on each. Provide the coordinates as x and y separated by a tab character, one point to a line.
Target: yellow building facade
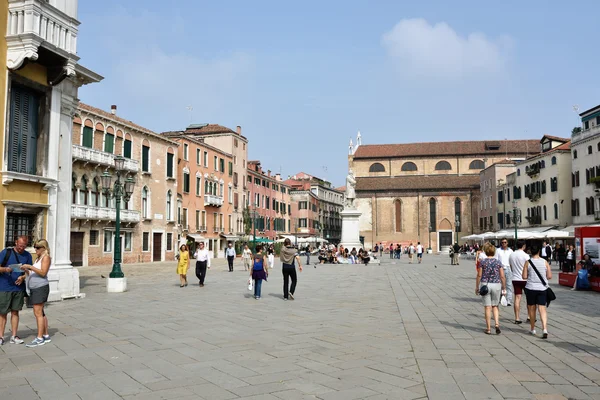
38	89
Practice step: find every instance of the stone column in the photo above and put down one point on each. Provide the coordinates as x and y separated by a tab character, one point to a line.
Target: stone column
64	279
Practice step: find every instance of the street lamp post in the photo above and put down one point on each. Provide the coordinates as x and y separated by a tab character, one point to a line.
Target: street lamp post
515	219
120	190
429	247
254	216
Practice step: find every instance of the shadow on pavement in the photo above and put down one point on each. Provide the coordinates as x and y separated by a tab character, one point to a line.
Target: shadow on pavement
575	348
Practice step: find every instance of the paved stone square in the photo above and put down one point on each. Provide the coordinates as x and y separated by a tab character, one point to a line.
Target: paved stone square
389	331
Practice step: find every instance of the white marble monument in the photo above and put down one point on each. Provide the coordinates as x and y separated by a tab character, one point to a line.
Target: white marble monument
350	216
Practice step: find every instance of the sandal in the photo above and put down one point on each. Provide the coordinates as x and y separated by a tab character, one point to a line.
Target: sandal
487	332
497	329
518	322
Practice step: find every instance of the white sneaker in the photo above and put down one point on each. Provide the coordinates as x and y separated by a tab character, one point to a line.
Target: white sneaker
16	340
47	338
533	332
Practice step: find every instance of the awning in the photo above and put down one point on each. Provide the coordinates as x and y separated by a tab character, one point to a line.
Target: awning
232	238
571	229
196	237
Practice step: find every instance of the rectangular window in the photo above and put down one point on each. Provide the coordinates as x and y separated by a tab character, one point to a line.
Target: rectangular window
221	164
230	224
236	199
88	137
206	159
93	238
198	156
230	168
109	143
23	130
127	242
257	181
198	185
197	219
267	203
127	149
302	223
235	179
108	241
235	142
216	160
215	222
145	159
186	183
18	225
146	241
186	150
185	218
169	242
204	219
230	194
170	158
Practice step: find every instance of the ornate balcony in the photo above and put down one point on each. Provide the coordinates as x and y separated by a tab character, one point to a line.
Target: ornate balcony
212	200
98	157
36	27
92	213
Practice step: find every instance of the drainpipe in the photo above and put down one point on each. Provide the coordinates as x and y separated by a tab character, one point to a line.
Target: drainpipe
374	226
418	216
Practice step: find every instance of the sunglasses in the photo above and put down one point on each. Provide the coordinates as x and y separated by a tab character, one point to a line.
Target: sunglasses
37	247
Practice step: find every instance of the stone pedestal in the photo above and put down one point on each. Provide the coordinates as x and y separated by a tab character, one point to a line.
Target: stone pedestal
350	229
116	285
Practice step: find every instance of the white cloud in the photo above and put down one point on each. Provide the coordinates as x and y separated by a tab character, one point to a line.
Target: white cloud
437	51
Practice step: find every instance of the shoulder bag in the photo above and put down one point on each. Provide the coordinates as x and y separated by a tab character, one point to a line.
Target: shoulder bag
550	296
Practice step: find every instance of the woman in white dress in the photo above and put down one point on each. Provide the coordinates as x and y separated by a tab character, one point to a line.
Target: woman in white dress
246	255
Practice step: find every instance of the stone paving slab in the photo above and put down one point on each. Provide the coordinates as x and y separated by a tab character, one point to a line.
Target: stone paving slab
389	331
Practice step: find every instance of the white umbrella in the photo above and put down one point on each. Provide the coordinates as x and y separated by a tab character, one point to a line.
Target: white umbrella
504	235
554	233
487	235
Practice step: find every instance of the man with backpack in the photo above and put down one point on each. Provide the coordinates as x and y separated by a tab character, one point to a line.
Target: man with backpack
12	286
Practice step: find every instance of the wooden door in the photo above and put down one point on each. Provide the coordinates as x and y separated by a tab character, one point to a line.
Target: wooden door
77	248
157	247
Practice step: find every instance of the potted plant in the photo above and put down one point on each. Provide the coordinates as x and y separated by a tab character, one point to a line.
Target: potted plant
596	181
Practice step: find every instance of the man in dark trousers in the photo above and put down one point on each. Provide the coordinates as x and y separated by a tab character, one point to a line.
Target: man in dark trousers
456	252
546	252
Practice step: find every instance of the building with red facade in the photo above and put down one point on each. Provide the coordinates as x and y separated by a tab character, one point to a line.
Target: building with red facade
268	200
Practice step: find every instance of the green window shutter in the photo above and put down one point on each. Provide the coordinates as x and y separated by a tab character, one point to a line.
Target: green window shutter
126	149
109	143
169	165
88	137
23	133
230	168
222	165
145	158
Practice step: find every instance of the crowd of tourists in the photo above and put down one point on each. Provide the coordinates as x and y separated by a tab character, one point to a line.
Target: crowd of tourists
22	279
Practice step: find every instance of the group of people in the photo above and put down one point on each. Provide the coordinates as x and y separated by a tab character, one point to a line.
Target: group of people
21	278
504	272
258	263
341	255
396	251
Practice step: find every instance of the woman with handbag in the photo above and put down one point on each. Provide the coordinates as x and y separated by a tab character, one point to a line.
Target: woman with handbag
259	271
183	264
536	289
491	285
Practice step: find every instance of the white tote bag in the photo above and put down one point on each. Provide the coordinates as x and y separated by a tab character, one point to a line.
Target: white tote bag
250	284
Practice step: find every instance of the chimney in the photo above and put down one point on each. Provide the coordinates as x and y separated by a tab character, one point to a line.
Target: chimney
113	109
269	173
238	129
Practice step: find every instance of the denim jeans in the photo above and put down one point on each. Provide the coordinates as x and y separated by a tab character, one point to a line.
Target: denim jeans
257	287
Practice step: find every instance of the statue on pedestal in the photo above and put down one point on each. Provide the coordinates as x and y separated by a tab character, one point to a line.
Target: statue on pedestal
350	189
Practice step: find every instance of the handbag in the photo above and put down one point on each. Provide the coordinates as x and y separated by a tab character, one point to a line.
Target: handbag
250	284
550	296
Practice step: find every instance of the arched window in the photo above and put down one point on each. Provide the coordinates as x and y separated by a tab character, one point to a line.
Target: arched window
398	214
555	211
169	205
409	166
83	192
545	214
477	164
542	164
589	149
518	172
553	160
598	146
377	167
432	215
574	154
206	187
74	190
443	166
145	202
457	213
95	200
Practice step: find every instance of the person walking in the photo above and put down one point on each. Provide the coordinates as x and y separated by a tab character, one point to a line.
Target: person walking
259	270
230	254
392	250
503	255
491	274
518	260
39	287
12	287
570	261
380	250
560	256
183	264
271	256
456	252
289	258
535	289
246	256
202	263
308	249
546	252
411	253
419	252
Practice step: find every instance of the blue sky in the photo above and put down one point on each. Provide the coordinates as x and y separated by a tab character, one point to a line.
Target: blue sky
302	77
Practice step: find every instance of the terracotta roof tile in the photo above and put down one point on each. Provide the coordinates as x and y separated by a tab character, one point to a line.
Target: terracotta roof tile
114	117
555	138
413	182
464	148
209	129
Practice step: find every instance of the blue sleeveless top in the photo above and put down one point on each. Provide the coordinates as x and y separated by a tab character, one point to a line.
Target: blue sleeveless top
258	262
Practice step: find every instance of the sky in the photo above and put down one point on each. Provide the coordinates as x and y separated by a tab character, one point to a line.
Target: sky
301	78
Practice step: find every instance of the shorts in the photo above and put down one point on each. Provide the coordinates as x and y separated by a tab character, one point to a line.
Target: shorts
11	301
519	286
39	295
535	297
493	297
419	255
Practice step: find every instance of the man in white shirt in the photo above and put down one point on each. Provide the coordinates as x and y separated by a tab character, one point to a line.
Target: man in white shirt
202	262
230	254
419	252
518	261
502	254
